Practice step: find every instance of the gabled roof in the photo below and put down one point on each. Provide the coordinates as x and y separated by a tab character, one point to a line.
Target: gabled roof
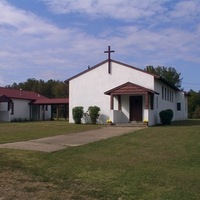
20	94
125	65
129	88
87	70
7	94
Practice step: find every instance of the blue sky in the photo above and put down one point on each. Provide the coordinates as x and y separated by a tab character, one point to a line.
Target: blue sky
55	39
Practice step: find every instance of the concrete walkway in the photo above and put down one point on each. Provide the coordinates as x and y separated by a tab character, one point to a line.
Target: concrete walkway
56	143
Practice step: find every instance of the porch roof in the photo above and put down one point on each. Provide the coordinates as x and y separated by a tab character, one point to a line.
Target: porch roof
4	98
56	101
129	88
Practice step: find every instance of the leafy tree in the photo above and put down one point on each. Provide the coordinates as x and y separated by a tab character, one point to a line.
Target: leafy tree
168	73
50	89
193	104
196	113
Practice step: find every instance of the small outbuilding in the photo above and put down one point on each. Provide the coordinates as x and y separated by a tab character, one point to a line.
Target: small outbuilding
20	105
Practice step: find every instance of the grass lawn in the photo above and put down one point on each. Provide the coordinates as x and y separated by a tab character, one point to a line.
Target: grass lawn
158	163
21	131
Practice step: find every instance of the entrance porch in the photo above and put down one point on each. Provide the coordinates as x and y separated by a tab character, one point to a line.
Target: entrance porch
130	103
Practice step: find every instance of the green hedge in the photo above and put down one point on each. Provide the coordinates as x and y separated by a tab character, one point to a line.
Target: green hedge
77	113
94	113
166	116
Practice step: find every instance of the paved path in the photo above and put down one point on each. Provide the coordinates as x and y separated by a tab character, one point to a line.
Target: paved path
56	143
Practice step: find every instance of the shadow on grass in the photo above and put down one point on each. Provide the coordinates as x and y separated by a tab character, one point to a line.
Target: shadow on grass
190	122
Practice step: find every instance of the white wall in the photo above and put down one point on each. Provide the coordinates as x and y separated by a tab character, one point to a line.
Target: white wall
47	113
183	113
178	96
88	89
3	106
4	112
21	109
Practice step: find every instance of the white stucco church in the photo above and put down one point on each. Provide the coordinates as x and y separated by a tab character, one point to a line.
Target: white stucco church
125	93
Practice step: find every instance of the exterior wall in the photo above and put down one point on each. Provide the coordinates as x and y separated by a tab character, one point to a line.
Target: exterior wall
181	114
21	110
46	114
88	89
4	112
3	106
162	103
37	112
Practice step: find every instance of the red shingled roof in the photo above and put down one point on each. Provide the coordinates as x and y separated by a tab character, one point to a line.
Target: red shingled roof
51	101
7	93
20	94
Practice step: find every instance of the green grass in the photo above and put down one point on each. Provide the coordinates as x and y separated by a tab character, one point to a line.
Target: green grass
21	131
161	163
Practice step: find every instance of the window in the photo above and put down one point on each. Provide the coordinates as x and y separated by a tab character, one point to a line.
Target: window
162	92
151	101
170	98
178	106
11	107
167	94
157	102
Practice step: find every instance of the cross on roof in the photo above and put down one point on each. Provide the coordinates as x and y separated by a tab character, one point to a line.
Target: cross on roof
109	59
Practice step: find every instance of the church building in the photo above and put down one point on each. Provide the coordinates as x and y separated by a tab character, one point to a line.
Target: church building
125	94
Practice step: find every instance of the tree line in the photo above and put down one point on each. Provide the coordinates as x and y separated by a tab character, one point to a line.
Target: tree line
50	88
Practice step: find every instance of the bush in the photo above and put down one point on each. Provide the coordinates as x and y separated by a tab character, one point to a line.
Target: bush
166	116
94	113
77	114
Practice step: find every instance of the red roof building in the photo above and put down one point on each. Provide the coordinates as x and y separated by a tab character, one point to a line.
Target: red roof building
27	105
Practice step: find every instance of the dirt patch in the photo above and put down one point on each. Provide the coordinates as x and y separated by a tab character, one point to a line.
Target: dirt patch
19	186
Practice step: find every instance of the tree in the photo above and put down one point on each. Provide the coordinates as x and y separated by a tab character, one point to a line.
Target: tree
50	89
168	73
193	104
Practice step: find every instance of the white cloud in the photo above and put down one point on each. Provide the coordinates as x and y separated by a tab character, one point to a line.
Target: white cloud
118	9
186	9
38	48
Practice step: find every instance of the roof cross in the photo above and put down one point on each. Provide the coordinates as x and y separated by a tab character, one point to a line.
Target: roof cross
109	59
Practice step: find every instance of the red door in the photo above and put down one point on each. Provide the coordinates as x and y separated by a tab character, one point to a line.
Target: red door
136	108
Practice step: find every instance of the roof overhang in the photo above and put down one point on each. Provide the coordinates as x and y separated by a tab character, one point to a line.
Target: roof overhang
56	101
129	88
4	98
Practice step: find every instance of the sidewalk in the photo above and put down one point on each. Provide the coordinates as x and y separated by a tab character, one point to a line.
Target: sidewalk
56	143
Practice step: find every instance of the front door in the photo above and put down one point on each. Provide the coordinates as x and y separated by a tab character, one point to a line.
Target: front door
135	108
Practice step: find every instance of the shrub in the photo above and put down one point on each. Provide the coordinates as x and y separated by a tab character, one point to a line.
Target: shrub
77	113
94	113
166	116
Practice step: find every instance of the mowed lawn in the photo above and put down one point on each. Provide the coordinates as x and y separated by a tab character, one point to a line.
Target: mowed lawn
21	131
158	163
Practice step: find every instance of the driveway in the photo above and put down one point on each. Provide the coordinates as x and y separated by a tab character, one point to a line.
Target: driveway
56	143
